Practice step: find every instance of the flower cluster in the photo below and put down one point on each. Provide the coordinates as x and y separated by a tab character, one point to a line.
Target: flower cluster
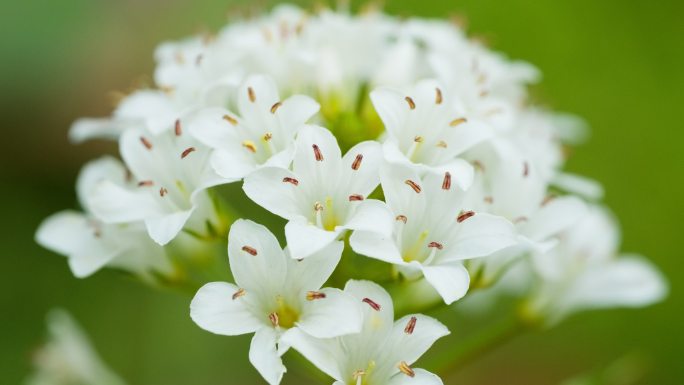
374	138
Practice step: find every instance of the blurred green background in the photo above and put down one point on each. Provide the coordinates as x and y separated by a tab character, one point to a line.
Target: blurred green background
617	63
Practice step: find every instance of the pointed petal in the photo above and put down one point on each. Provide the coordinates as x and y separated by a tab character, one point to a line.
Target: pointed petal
115	204
214	309
375	245
554	217
165	228
479	236
153	108
264	356
335	315
450	280
268	187
319	171
371	215
94	172
96	128
312	272
295	112
399	195
363	163
304	239
391	107
410	344
232	165
325	354
377	321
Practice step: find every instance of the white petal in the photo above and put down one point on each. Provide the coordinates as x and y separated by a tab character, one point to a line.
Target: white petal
479	236
366	177
312	272
265	94
214	309
422	377
265	271
115	204
325	354
377	322
375	245
94	172
462	172
554	217
232	165
268	189
62	232
450	280
401	197
264	356
371	215
295	111
96	128
304	239
391	107
580	185
335	315
324	172
409	347
152	107
165	228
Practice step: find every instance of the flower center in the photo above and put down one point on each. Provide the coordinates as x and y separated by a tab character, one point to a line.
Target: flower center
284	315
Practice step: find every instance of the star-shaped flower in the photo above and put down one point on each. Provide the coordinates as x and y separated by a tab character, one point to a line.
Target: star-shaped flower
274	295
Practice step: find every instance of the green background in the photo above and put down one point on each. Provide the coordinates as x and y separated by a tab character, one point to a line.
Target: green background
617	63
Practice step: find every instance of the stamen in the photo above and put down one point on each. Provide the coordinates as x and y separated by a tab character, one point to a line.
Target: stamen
249	250
318	206
251	94
317	152
248	144
526	169
357	162
187	152
163	191
275	107
413	185
484	93
446	184
230	120
177	128
358	376
436	245
548	199
146	143
442	144
489	199
438	96
374	305
314	295
411	103
464	215
410	326
198	60
479	166
520	219
273	317
401	218
355	197
145	183
294	181
318	209
458	121
418	139
406	369
239	294
268	136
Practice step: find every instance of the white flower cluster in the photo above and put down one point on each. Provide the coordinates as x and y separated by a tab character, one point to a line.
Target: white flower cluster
469	178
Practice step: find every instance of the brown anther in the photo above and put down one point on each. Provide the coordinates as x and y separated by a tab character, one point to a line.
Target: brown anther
146	143
267	136
435	245
374	305
479	166
355	197
410	326
526	169
406	369
249	250
273	317
458	121
418	139
275	107
520	219
239	294
489	199
187	152
314	295
415	186
318	206
401	218
251	94
464	215
294	181
438	96
317	152
249	145
446	183
358	373
411	103
484	93
357	162
548	199
177	128
145	183
230	120
442	144
163	191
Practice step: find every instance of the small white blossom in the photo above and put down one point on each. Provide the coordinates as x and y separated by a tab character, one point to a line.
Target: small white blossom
91	244
383	352
262	133
433	231
325	194
274	295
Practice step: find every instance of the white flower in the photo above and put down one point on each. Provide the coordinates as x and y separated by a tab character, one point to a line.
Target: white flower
584	271
91	244
383	352
171	172
68	358
429	129
262	133
274	295
433	231
325	194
